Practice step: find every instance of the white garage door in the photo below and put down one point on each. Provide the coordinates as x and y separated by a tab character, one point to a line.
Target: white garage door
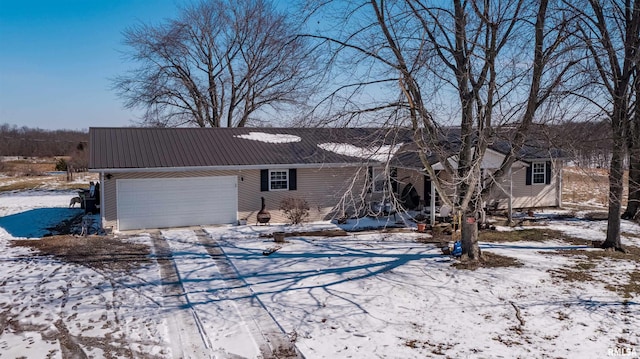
175	202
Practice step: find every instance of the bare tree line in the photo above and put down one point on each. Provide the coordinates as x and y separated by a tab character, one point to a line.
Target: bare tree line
588	143
35	142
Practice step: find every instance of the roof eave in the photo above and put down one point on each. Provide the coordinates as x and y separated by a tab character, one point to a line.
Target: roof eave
233	167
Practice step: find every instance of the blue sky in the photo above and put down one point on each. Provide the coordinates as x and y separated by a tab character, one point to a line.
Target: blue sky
57	58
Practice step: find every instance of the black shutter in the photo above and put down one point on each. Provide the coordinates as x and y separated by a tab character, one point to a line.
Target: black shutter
547	172
369	181
394	179
427	190
264	180
529	174
293	179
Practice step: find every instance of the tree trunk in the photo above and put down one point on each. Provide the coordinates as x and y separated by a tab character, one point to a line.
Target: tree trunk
616	172
470	249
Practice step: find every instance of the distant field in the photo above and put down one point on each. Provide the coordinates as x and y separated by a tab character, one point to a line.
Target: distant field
20	173
27	165
587	186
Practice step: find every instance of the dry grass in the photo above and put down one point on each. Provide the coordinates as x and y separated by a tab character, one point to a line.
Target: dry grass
8	184
58	182
22	184
630	289
588	262
25	166
580	272
93	251
30	173
591	185
489	260
29	166
633	254
529	235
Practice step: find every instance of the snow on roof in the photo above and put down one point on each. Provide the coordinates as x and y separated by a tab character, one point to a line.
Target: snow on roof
378	153
270	137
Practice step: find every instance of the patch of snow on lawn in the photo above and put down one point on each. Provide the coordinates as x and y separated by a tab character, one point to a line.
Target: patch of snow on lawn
378	153
270	137
597	230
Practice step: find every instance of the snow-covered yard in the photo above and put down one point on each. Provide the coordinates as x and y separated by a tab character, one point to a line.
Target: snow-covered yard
368	294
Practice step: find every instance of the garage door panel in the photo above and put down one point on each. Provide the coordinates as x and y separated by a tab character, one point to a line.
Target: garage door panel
172	202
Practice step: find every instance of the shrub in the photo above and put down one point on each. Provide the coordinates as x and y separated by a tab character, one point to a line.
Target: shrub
61	164
295	209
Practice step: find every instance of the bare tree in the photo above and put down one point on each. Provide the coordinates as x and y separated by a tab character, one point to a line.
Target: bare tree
610	30
480	54
218	64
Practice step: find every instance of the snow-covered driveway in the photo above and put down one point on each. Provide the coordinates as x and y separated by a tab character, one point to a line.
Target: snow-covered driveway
229	320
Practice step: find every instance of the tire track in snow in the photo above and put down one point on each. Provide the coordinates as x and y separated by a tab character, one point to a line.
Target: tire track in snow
184	318
272	339
211	296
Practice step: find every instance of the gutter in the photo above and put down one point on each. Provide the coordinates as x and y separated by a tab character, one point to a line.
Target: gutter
229	168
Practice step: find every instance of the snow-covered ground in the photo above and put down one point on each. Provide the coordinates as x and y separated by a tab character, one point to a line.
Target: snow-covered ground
369	294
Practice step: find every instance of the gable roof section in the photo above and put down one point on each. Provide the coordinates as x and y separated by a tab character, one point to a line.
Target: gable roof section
536	147
131	148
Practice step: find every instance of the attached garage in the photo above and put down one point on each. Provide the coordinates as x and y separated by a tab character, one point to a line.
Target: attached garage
175	202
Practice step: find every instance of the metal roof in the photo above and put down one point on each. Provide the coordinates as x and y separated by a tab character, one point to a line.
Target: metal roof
166	148
122	148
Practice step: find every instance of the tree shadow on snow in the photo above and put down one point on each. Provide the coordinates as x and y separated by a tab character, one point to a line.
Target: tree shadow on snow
34	223
329	265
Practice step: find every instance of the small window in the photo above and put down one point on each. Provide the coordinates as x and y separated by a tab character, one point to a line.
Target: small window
538	173
278	180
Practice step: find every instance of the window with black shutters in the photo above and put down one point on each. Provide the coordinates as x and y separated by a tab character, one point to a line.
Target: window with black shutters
278	180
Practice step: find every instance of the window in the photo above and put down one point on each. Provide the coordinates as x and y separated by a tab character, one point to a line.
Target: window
378	180
278	180
538	173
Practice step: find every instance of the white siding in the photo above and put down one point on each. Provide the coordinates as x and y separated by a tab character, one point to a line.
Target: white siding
175	202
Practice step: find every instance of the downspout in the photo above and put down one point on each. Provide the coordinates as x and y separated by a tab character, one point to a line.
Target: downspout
102	190
432	213
559	184
510	201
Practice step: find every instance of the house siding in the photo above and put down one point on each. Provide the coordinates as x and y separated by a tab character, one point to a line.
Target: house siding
527	196
321	188
524	196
